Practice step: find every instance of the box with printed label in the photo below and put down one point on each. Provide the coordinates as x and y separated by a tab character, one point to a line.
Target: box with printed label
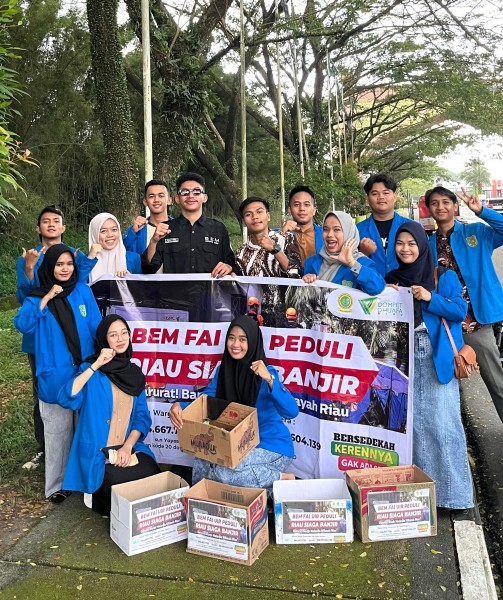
226	521
392	503
314	511
148	513
226	440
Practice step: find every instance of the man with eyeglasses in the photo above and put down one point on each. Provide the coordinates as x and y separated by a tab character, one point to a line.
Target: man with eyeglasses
50	228
157	200
191	243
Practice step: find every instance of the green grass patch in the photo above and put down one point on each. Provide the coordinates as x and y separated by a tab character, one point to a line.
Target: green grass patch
16	401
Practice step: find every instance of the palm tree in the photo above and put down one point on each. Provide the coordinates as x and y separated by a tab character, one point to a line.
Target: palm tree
475	174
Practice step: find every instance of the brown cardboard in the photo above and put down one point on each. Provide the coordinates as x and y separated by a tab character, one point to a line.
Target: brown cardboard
392	503
148	513
226	522
312	511
226	441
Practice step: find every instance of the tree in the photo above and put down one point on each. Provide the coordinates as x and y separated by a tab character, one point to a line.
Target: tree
112	103
475	174
11	153
59	86
401	93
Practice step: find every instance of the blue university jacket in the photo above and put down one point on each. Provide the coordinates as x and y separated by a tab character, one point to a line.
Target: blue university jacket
137	242
86	463
52	358
24	285
448	303
472	245
368	279
384	262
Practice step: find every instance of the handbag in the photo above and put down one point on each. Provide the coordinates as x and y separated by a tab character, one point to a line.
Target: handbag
465	359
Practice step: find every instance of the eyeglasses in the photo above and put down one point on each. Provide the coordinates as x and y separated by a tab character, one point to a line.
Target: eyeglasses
184	192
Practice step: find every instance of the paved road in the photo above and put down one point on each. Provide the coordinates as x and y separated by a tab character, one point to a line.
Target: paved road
485	436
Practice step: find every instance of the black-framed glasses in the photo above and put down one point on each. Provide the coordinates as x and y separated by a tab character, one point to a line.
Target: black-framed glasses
186	192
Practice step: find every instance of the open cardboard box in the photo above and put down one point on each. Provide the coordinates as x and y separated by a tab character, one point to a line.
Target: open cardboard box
226	521
392	503
225	441
314	511
148	513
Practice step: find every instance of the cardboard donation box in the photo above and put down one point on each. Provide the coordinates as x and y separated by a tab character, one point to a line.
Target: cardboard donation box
148	513
315	511
392	503
226	521
225	441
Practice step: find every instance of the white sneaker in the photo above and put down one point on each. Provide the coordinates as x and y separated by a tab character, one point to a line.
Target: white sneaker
88	500
35	461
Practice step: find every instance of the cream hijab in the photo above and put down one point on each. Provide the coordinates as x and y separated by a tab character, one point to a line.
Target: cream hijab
330	264
109	261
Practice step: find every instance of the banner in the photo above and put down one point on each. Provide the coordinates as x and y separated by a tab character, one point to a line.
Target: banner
347	358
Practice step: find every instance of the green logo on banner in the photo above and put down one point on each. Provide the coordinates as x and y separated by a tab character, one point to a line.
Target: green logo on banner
368	305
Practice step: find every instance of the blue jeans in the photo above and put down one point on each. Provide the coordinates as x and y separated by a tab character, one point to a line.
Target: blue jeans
259	469
439	443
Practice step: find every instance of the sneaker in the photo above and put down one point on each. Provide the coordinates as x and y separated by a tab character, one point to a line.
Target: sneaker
59	496
35	461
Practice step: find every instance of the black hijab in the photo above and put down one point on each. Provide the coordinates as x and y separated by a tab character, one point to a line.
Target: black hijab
59	306
236	381
127	376
420	272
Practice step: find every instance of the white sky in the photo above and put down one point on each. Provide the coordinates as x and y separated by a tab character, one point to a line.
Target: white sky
489	149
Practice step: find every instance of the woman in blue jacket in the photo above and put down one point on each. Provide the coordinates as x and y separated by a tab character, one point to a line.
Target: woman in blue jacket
244	376
339	261
439	444
109	393
105	242
62	315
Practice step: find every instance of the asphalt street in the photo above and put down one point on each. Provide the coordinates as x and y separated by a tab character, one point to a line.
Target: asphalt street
485	436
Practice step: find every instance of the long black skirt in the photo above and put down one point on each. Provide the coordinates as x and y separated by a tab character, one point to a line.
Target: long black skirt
102	497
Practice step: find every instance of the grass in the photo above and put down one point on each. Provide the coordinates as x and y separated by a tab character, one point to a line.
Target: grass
16	401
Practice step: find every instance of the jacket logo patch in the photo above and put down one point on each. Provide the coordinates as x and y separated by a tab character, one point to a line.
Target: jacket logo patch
211	240
171	240
83	310
472	241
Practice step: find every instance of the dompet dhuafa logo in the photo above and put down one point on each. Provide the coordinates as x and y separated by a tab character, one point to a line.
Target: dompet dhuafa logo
368	305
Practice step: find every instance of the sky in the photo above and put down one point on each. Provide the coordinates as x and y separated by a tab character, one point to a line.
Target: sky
489	149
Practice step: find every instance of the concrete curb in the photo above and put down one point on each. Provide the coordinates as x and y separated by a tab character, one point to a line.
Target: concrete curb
477	581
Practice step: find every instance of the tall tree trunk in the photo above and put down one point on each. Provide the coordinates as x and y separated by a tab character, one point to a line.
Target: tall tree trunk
121	171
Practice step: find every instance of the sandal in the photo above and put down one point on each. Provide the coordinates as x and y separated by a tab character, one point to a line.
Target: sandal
59	496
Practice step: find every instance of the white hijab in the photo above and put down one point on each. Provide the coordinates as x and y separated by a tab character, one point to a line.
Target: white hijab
330	264
109	261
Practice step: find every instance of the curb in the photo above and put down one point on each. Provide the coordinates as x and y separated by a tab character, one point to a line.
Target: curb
477	581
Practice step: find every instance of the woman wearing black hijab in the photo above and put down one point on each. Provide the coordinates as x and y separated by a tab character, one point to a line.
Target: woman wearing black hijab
245	377
439	444
109	393
63	316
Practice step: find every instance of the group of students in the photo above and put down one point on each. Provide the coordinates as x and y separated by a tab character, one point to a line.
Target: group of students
82	363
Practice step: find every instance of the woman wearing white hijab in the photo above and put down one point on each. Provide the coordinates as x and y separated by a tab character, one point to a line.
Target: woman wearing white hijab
339	261
105	240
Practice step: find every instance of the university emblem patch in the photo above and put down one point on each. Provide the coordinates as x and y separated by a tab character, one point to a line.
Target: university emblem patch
83	310
472	241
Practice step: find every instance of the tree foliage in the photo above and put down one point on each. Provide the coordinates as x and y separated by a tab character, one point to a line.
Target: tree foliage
400	92
11	152
476	174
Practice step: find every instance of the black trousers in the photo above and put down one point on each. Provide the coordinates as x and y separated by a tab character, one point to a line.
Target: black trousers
38	424
102	497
